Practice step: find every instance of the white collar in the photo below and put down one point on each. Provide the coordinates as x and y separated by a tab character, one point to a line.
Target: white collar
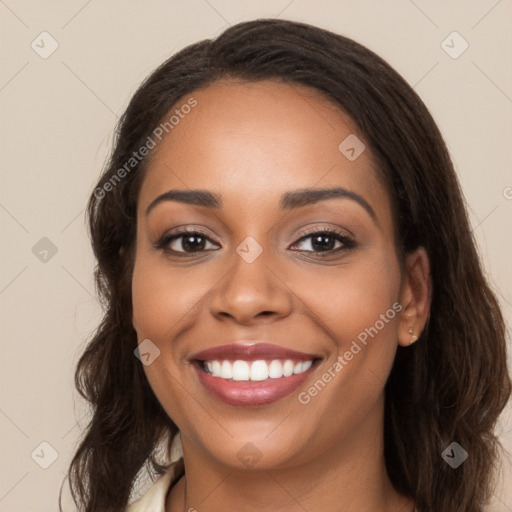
154	499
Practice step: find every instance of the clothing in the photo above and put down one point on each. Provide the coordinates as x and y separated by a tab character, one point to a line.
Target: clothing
154	499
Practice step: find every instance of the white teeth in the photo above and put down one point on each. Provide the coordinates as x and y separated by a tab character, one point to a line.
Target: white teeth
288	368
275	369
240	370
226	370
256	370
259	370
215	368
306	365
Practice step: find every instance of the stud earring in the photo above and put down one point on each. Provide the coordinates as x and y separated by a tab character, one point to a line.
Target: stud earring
414	337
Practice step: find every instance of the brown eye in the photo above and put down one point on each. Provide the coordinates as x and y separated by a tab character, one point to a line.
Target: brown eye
325	241
186	242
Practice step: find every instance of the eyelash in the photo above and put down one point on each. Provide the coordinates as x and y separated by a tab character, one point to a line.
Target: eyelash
348	243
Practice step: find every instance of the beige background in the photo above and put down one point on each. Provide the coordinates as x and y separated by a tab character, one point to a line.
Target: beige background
58	116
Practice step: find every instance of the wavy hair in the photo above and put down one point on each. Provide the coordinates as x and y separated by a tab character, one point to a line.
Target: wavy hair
450	386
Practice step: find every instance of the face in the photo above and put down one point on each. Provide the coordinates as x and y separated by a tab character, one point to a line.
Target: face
275	278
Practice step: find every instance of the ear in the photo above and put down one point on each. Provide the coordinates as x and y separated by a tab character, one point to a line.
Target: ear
415	297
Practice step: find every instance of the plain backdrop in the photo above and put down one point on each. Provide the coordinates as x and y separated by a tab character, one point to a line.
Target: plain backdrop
68	70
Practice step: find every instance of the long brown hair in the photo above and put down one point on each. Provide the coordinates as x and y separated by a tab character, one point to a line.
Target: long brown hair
450	386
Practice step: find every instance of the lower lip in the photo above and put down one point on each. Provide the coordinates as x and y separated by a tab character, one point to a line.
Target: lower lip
252	393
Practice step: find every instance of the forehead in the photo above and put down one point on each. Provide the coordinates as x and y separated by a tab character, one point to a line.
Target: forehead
256	140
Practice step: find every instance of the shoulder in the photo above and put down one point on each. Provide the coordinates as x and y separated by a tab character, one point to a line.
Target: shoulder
154	499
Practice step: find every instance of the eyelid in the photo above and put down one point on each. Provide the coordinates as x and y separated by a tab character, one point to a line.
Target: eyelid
185	230
345	233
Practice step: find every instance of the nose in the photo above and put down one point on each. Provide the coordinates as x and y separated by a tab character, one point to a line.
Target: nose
251	292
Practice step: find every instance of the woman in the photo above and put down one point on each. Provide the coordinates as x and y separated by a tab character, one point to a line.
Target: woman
291	285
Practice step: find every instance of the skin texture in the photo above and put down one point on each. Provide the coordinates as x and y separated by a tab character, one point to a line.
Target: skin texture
250	143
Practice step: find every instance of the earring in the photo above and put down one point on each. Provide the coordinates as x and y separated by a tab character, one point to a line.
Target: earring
414	337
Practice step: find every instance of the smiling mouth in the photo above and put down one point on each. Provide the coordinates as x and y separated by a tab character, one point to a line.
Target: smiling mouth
255	371
245	373
243	383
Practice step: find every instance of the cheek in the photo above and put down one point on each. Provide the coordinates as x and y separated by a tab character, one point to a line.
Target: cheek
164	302
353	299
164	299
358	311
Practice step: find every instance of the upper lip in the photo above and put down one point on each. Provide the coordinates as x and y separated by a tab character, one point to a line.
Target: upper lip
250	352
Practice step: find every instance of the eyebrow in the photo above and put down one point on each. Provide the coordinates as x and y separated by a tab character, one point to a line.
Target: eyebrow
289	200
